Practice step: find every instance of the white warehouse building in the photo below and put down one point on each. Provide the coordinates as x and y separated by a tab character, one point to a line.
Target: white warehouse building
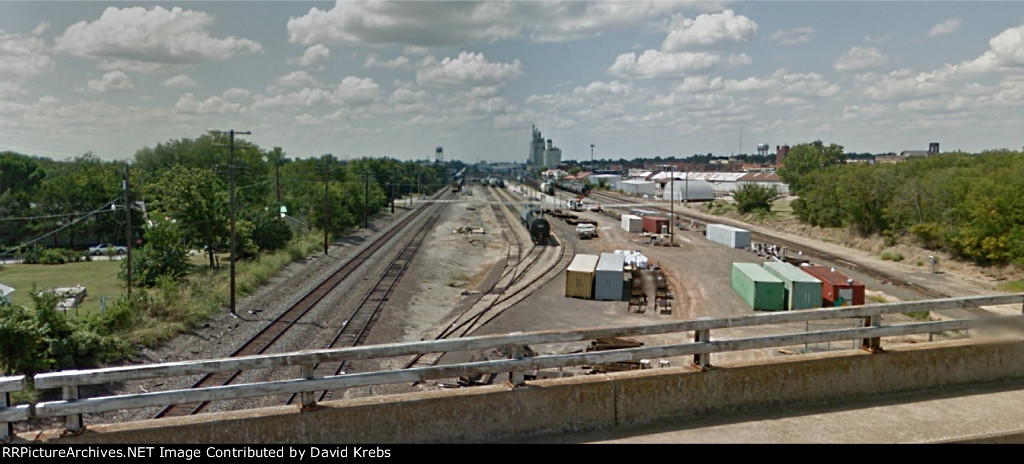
636	187
689	190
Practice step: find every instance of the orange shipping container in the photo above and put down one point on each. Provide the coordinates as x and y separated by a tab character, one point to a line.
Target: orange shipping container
837	289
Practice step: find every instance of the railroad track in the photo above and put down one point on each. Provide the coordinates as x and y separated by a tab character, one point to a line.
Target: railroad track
507	290
359	322
266	337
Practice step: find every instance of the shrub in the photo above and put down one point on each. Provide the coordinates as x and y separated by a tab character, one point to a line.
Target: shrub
53	256
892	256
754	197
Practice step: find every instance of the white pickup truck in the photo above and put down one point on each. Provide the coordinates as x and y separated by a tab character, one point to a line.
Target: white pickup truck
586	230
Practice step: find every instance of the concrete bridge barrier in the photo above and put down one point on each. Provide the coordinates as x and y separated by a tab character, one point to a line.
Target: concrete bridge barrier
501	412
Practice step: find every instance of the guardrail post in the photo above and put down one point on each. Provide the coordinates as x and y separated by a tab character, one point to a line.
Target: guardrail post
703	360
516	377
72	422
308	400
7	428
873	345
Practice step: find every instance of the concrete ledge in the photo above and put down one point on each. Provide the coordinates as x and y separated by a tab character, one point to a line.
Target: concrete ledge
588	403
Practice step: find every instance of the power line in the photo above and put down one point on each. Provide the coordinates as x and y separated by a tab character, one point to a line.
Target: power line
76	221
48	216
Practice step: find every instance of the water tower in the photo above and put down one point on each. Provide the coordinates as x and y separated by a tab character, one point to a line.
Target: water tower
439	155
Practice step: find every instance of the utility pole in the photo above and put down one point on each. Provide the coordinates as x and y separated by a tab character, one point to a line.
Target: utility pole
128	231
366	199
672	206
277	172
686	186
231	172
327	209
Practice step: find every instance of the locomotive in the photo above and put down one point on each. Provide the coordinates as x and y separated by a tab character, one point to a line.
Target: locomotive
534	221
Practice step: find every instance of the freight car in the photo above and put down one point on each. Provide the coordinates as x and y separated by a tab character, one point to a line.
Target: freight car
574	186
534	221
544	187
457	185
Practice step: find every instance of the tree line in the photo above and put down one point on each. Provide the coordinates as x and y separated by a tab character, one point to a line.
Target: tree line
78	202
180	199
969	205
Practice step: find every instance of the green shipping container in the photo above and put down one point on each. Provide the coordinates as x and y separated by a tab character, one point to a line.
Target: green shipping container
758	287
803	291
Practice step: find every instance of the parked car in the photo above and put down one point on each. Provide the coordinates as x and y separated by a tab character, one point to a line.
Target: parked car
106	249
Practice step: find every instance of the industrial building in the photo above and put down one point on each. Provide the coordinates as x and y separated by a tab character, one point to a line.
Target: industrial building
689	190
541	154
764	179
636	187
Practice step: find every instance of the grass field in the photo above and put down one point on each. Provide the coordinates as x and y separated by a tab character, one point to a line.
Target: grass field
783	208
98	277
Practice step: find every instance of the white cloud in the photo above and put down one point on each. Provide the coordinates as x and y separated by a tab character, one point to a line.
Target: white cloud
181	81
793	36
1006	52
709	32
400	62
24	56
806	85
407	96
231	101
858	57
603	89
312	56
862	113
150	40
305	97
297	79
656	64
453	23
948	26
468	68
113	80
876	40
40	28
354	90
351	91
1008	46
902	84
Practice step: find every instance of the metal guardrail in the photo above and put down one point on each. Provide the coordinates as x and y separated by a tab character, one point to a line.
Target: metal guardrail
8	413
71	406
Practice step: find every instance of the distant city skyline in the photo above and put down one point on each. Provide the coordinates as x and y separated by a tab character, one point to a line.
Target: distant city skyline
398	79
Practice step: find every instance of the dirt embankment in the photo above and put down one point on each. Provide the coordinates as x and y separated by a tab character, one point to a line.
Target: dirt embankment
906	250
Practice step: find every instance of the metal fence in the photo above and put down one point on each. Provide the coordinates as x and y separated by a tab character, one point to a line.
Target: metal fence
868	337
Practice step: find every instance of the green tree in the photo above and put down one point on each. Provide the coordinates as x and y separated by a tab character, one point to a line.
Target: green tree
163	255
271	232
807	158
83	184
198	200
22	341
753	197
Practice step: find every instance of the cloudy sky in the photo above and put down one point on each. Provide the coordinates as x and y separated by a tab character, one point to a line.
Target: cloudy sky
398	79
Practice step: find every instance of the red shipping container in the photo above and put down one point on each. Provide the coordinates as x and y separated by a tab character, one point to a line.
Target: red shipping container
837	289
652	224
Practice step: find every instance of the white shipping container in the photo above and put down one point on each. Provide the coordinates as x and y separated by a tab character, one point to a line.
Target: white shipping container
728	236
631	223
608	277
